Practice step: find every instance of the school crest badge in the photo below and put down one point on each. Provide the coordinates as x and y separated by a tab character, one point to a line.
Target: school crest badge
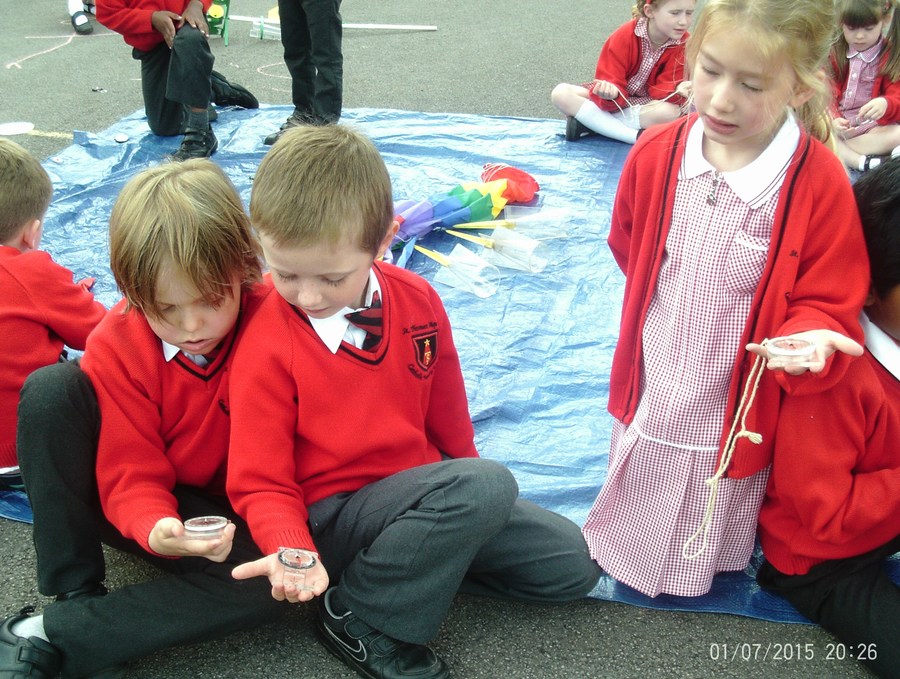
426	349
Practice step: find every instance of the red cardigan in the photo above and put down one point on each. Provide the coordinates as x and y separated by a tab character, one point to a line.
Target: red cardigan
41	309
816	275
163	423
834	491
620	58
307	424
884	87
131	18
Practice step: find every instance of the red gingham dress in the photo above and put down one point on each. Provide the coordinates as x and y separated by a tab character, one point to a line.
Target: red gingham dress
655	493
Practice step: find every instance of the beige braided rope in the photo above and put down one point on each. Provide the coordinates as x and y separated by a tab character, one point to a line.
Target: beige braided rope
747	398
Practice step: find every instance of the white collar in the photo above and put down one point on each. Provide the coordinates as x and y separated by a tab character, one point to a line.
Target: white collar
881	346
755	182
170	351
331	330
868	55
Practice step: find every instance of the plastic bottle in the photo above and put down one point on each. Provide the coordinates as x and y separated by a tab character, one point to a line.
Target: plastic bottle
265	29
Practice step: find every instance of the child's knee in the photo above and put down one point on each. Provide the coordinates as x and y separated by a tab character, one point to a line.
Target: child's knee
188	37
490	488
48	387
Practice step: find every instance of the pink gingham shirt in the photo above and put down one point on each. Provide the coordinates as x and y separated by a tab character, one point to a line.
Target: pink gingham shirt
655	494
862	73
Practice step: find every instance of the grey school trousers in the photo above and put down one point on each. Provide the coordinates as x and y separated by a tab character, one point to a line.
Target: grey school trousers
399	549
196	600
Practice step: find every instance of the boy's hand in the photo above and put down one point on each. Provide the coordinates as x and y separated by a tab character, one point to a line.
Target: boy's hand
167	538
167	23
605	89
826	341
196	17
873	110
272	568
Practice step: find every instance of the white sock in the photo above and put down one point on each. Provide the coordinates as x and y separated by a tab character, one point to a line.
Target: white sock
600	121
75	6
896	152
32	626
874	161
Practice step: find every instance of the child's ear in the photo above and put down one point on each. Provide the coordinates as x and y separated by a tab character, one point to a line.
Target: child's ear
31	234
871	297
803	94
387	240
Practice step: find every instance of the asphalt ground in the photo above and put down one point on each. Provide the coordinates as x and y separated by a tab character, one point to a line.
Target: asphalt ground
499	58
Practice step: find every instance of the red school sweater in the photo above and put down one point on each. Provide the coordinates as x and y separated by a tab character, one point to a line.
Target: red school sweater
132	18
834	491
816	275
307	424
620	58
162	422
41	309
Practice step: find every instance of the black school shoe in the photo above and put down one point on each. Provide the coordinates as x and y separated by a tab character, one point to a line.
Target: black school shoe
225	93
575	130
371	653
31	658
294	120
196	144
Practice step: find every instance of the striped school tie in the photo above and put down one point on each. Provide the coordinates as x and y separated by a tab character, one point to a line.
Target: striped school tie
370	320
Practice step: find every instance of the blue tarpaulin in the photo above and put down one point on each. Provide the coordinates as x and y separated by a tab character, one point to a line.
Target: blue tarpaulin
536	355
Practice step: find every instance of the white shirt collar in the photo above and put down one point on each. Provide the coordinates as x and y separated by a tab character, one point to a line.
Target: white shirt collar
755	182
868	55
881	346
170	351
335	329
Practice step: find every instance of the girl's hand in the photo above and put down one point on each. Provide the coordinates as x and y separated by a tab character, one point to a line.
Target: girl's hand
605	89
840	125
166	23
873	110
684	89
272	568
167	538
826	341
195	16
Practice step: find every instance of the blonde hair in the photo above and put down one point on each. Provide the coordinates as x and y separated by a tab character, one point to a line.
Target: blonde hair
637	10
187	216
25	189
799	30
322	185
861	13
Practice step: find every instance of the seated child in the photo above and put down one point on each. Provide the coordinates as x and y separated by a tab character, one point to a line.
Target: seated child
41	308
640	76
171	40
369	459
152	407
831	514
865	72
78	13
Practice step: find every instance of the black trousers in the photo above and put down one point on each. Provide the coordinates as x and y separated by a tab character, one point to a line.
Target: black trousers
195	601
175	79
399	549
311	36
854	599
